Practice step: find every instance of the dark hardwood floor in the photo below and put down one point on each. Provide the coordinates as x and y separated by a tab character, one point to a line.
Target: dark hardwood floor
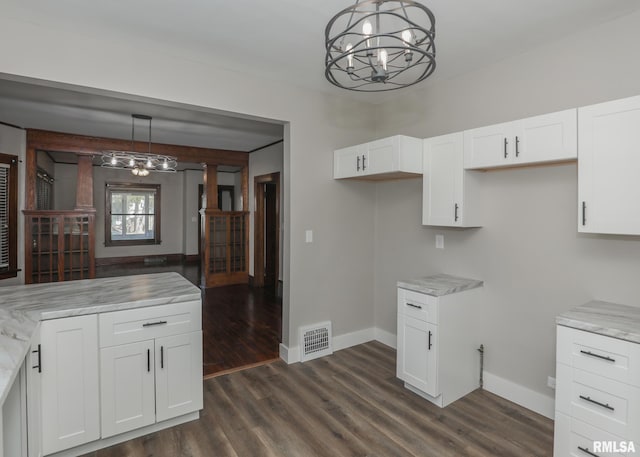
347	404
241	325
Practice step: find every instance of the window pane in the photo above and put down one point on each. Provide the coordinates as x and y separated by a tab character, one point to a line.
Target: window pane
116	227
116	203
135	204
152	208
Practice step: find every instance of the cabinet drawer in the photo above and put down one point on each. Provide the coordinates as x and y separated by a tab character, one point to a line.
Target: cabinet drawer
419	306
120	327
574	438
602	402
605	356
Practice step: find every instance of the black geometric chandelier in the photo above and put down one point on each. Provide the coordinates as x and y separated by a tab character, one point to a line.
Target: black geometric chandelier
379	45
139	163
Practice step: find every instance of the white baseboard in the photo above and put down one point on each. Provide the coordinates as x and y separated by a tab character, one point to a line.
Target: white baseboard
289	355
527	398
353	339
386	338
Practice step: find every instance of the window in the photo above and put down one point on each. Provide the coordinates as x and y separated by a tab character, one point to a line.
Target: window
44	190
132	214
8	216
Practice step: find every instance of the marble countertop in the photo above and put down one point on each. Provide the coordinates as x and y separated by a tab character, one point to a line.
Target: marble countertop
604	318
439	285
23	307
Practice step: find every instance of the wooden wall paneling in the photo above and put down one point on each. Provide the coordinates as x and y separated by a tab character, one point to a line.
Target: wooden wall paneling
84	188
31	168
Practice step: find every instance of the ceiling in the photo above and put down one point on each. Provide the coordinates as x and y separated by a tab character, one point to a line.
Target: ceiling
282	40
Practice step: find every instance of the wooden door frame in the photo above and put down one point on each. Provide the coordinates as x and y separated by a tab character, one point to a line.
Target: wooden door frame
258	232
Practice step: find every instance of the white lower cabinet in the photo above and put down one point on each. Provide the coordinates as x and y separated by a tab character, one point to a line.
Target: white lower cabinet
157	374
69	381
150	381
127	391
597	394
101	375
437	346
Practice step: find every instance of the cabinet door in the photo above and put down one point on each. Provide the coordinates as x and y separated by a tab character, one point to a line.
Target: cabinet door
489	147
442	180
417	354
70	394
608	164
127	390
178	375
348	162
547	138
382	156
34	408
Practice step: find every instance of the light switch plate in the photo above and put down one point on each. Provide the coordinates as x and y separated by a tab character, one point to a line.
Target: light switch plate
308	236
439	241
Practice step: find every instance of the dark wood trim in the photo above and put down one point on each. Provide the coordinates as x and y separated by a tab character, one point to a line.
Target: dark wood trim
111	186
210	187
81	144
258	232
12	269
266	146
105	261
190	258
84	185
31	170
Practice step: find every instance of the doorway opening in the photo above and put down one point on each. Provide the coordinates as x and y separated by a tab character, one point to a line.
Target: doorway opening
266	229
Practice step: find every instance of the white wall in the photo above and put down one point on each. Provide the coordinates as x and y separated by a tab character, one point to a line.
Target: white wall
529	253
172	212
263	162
329	279
64	186
13	141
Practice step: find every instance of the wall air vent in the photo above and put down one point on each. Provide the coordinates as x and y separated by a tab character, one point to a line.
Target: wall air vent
315	341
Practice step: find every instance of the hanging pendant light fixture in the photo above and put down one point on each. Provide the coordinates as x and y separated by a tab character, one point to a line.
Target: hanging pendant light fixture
380	45
139	163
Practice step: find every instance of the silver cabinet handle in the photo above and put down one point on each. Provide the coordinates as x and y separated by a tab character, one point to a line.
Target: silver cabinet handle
151	324
505	148
603	405
517	144
603	357
358	163
455	212
587	451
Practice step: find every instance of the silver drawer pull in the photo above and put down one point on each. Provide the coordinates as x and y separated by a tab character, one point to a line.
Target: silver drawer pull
414	306
151	324
587	451
603	357
604	405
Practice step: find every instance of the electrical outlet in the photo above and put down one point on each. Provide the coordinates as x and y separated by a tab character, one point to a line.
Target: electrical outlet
439	241
551	382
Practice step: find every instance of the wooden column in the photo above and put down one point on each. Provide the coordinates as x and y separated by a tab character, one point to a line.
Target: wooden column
84	189
31	168
210	187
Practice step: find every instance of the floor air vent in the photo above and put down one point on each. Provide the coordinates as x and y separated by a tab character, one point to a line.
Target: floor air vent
315	341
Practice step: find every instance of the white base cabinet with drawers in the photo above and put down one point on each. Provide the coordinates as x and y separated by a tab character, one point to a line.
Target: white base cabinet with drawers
597	393
112	376
437	353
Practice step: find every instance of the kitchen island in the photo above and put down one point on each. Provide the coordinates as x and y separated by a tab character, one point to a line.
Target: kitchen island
118	314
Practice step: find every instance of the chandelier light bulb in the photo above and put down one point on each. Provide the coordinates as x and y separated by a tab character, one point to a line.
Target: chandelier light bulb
383	56
349	55
406	37
165	165
132	162
149	164
113	160
367	28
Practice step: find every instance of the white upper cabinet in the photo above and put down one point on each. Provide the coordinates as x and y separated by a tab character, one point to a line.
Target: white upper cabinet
449	193
608	168
389	158
547	138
